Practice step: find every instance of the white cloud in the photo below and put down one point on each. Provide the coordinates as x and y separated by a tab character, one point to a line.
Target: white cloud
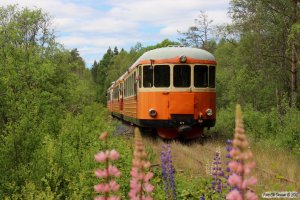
80	41
92	26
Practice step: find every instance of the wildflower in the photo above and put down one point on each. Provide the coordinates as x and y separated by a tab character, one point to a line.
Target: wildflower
202	197
168	172
103	136
113	155
140	187
228	171
241	165
107	173
101	157
217	173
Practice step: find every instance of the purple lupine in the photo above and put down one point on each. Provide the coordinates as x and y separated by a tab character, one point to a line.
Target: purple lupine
168	172
202	197
217	173
228	171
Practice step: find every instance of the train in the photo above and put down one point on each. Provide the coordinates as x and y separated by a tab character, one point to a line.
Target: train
170	90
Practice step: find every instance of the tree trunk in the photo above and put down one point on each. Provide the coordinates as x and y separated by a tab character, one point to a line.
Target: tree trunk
294	51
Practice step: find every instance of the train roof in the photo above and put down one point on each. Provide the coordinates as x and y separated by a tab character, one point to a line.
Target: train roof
170	52
174	51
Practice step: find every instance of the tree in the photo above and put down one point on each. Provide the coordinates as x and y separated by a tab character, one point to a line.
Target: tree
116	51
39	85
272	25
295	30
199	35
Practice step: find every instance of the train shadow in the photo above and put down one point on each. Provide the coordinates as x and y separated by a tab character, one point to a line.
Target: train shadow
127	129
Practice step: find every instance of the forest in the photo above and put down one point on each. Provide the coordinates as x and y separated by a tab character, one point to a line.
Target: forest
53	106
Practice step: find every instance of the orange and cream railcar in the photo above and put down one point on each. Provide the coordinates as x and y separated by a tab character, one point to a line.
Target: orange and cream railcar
169	89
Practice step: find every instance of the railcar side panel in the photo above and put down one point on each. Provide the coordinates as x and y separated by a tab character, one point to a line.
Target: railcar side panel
130	107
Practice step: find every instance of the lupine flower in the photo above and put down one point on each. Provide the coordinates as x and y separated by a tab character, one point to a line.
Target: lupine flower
242	163
168	172
217	173
103	136
141	188
228	157
107	173
202	197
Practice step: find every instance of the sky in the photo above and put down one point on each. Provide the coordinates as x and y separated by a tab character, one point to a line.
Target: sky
92	26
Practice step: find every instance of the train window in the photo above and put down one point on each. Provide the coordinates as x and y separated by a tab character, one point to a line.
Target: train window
212	76
134	84
182	76
140	76
129	82
147	76
162	76
131	88
126	88
201	76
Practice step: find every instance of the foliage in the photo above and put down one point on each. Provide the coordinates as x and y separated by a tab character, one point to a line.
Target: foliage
47	116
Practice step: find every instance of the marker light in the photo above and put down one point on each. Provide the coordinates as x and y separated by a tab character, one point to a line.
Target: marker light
182	59
209	112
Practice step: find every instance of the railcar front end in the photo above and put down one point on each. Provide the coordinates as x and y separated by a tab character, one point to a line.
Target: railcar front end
169	89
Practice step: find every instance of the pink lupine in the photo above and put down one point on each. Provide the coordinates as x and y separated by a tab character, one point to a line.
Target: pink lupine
113	171
141	188
101	157
234	195
101	173
103	136
113	155
241	165
107	173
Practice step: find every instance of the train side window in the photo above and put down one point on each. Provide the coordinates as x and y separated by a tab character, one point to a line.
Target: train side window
129	85
140	76
131	89
182	76
162	76
200	76
212	76
134	84
126	88
147	76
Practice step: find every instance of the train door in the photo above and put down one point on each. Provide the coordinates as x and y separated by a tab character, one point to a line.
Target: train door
121	95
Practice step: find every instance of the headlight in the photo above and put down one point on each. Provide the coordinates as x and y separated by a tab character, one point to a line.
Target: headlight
152	112
209	112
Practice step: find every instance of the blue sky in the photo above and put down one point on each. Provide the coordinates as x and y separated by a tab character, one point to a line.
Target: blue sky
92	26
